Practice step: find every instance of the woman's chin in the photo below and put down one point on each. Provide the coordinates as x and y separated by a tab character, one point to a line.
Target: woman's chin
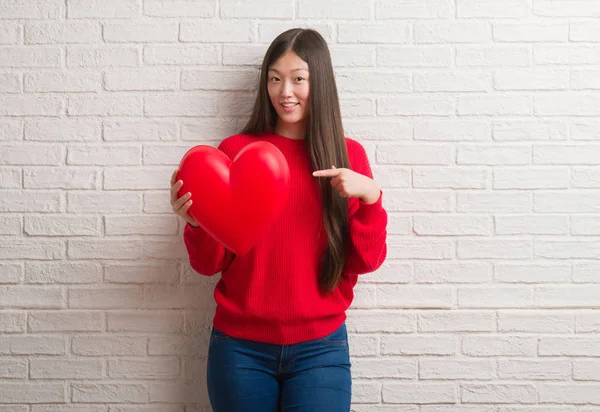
289	119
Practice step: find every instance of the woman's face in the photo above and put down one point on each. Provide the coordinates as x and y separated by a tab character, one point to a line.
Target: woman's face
288	86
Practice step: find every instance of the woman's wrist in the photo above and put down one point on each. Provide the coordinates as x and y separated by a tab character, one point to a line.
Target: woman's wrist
372	195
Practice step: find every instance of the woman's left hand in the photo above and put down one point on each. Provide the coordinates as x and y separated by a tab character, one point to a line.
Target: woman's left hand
348	183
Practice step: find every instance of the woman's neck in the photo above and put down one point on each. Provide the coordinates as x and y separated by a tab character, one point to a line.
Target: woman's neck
296	131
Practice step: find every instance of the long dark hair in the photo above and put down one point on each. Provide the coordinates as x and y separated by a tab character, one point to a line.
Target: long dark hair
324	136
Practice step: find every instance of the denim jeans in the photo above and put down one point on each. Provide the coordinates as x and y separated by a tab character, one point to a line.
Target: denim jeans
310	376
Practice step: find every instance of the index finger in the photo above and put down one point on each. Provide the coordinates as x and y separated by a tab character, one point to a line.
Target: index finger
326	173
173	177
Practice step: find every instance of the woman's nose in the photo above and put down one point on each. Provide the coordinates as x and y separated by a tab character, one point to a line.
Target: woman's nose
286	89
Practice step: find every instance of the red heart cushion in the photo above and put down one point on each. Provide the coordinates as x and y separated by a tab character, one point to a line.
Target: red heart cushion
235	202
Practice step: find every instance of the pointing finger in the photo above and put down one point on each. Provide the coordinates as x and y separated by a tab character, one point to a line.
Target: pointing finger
326	173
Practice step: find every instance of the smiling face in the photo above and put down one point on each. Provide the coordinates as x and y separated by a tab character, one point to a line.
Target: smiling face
288	87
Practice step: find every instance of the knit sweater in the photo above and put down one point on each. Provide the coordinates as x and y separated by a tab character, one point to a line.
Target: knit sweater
271	293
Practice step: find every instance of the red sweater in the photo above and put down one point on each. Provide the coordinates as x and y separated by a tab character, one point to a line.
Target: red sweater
271	293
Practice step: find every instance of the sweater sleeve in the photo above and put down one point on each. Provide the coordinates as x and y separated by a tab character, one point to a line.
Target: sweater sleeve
367	223
207	256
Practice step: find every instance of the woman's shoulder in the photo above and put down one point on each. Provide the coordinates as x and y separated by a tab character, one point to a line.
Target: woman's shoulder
238	138
355	148
234	143
357	155
353	144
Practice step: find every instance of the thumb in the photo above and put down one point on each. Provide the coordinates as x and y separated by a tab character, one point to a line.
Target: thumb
333	167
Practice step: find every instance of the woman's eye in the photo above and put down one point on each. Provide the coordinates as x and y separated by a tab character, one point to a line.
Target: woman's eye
274	79
299	79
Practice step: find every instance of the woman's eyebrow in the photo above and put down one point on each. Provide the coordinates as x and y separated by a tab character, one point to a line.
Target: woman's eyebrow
295	70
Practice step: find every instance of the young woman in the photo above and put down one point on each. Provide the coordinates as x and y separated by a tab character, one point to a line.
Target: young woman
279	340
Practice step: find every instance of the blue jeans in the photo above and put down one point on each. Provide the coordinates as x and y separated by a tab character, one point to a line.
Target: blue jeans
310	376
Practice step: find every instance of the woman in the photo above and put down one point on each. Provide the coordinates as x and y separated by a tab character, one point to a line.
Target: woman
279	340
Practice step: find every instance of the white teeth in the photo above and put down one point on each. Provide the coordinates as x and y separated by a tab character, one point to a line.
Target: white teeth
289	104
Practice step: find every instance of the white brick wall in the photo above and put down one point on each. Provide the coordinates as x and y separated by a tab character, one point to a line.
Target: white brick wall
482	122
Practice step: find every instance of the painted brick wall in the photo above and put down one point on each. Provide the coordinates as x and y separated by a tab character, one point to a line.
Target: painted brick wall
481	119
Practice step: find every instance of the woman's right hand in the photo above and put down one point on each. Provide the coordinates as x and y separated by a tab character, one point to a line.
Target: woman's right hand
181	205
